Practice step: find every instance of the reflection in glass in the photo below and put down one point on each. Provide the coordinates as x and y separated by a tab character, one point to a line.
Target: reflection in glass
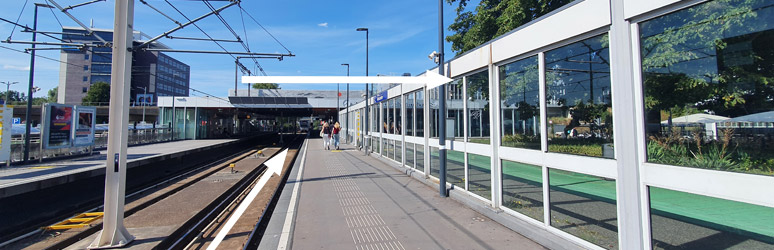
480	175
398	151
410	155
523	188
420	149
455	109
435	163
386	116
420	113
478	107
520	97
398	117
689	221
410	114
455	168
708	76
578	98
434	106
584	206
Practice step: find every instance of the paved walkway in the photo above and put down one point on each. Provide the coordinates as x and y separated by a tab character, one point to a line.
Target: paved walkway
16	175
350	201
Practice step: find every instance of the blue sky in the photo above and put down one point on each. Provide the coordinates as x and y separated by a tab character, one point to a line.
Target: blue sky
320	33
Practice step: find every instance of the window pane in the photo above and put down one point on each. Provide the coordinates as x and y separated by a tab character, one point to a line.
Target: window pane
520	97
398	151
420	157
479	175
455	108
580	115
434	106
434	162
420	120
707	83
410	154
683	220
523	188
455	168
385	116
410	114
584	206
398	117
478	107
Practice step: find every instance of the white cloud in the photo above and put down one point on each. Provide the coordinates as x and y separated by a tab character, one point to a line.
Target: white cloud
323	25
14	67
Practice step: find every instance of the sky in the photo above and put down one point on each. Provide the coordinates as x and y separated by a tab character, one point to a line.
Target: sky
321	35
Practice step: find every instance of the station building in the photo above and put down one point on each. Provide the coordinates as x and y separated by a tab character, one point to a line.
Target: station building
580	128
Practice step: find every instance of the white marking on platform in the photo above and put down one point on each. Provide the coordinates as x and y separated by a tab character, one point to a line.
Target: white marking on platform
285	236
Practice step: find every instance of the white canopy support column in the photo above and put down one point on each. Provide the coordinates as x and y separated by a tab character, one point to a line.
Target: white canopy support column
113	233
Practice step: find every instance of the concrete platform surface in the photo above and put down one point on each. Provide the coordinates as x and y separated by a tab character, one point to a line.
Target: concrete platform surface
351	201
19	175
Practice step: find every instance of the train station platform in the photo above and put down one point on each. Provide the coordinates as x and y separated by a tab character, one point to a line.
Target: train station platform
16	180
342	199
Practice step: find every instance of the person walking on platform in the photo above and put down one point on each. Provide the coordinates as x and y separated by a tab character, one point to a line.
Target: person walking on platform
326	135
336	130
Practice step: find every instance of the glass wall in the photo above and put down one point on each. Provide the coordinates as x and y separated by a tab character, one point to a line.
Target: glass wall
420	164
435	162
578	98
398	151
434	106
584	206
455	109
386	116
520	103
455	168
480	175
410	97
708	86
682	220
478	107
398	117
410	155
523	188
420	113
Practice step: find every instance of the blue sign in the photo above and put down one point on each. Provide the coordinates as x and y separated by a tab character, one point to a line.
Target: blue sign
380	97
16	120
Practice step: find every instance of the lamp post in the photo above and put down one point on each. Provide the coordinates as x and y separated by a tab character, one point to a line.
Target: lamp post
365	130
145	99
8	90
346	125
27	116
442	108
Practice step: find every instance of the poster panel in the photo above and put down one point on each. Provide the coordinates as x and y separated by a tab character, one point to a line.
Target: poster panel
58	125
83	134
6	118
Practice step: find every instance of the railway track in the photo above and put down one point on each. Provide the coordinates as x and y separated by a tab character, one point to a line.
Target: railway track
144	197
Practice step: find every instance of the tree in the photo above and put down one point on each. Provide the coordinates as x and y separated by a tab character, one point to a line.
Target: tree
53	95
493	18
14	98
98	94
265	86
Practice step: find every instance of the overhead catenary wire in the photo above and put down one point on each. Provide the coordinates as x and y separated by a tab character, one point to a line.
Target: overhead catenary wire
222	20
18	18
264	28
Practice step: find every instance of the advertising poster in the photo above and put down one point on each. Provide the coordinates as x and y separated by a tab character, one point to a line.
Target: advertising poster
144	99
84	127
59	126
6	114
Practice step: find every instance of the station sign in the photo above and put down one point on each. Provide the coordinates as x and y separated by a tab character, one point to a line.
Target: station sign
381	96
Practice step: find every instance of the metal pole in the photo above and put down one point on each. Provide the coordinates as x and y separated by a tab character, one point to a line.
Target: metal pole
441	107
114	233
145	94
347	106
338	109
365	130
236	75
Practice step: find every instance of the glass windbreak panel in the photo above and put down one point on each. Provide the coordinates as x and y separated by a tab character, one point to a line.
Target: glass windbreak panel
385	116
434	102
434	162
523	188
180	124
455	168
455	109
190	123
689	221
480	175
410	154
420	113
478	107
584	206
398	151
578	99
398	117
708	79
385	148
520	110
420	149
410	114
